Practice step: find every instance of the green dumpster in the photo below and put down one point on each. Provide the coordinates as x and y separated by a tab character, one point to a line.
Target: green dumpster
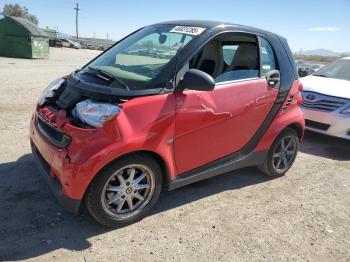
21	38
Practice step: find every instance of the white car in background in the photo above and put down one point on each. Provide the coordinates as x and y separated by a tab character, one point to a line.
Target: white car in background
326	99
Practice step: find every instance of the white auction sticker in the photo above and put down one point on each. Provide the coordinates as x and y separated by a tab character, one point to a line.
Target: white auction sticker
189	30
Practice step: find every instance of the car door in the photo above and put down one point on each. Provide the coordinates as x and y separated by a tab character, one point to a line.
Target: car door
210	125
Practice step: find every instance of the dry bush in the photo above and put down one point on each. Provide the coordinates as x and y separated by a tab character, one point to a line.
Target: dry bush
316	58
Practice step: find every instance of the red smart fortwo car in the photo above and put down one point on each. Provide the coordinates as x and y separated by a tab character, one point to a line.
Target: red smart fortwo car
170	104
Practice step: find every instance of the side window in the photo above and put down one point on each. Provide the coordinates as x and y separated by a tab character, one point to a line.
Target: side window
243	62
229	57
228	51
267	57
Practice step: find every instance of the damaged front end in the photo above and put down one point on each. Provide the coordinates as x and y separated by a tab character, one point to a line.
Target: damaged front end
65	146
87	104
73	121
74	125
84	104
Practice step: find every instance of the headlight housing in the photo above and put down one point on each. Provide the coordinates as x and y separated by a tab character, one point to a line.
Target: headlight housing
95	113
49	91
346	110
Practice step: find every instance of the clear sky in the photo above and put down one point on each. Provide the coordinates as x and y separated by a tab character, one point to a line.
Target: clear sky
307	24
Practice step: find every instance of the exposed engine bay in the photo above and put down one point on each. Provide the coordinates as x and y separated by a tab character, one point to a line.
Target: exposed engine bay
86	104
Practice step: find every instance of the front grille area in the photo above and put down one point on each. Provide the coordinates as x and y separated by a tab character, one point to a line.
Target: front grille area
321	102
325	105
51	133
316	125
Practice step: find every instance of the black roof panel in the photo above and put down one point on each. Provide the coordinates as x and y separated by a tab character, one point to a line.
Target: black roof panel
211	24
201	23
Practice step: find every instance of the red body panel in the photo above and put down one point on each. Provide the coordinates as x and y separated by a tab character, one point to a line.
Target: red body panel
285	117
144	124
211	125
203	126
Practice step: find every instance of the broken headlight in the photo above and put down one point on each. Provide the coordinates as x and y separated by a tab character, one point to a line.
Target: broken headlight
49	91
95	113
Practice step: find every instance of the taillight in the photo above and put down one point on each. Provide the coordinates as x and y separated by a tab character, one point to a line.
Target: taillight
300	98
300	87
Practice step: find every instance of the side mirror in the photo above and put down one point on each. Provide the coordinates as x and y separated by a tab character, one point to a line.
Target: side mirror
196	80
303	71
162	39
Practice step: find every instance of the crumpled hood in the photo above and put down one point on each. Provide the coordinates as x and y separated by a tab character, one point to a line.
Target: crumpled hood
326	86
77	88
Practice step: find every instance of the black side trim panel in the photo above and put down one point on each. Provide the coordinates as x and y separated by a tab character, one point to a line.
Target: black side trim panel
252	159
71	205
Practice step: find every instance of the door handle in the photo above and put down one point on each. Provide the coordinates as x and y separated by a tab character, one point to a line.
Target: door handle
273	78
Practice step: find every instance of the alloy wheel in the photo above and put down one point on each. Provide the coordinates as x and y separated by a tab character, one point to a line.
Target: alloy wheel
128	191
284	154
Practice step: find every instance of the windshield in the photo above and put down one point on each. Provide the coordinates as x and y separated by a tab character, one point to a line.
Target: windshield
138	59
339	69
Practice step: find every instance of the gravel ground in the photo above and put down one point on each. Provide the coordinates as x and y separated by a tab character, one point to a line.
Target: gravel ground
240	216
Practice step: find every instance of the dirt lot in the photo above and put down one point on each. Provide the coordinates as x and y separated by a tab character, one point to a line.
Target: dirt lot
241	216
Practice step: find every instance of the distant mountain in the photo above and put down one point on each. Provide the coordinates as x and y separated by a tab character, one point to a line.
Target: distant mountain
321	52
63	35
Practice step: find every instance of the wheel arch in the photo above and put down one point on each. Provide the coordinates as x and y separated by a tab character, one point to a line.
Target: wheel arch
298	128
154	155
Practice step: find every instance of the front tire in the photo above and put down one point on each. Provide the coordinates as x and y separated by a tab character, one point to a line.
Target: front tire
282	154
125	191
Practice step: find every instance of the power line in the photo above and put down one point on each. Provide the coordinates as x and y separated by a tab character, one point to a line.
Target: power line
76	19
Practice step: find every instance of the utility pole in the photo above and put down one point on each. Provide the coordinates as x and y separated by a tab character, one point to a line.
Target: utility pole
76	19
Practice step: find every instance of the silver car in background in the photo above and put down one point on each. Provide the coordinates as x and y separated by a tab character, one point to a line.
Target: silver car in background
70	43
326	99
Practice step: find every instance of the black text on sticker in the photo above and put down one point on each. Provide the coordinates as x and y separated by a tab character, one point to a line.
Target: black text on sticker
189	30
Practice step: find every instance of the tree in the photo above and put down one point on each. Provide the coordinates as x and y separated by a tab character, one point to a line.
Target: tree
18	11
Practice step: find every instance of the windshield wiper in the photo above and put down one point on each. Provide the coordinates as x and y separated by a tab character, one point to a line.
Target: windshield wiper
106	76
320	75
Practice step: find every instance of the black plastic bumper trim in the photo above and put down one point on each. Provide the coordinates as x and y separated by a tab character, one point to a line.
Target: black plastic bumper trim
317	125
71	205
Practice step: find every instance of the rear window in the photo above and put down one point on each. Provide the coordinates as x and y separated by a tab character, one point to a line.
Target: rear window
339	69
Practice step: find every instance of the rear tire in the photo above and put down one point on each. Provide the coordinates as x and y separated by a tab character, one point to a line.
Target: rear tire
125	191
282	154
